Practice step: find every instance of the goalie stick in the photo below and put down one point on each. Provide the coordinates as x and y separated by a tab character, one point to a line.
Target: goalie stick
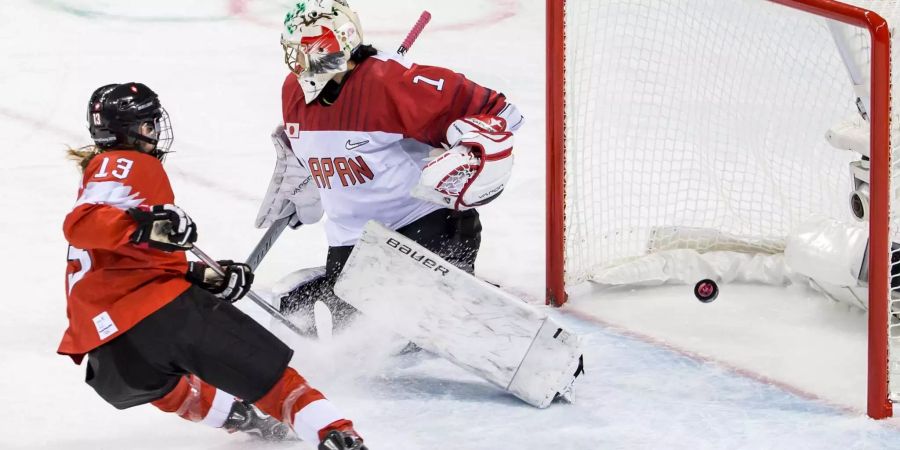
265	243
414	33
842	34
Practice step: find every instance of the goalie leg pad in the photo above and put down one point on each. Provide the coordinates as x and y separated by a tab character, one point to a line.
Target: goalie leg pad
467	321
550	366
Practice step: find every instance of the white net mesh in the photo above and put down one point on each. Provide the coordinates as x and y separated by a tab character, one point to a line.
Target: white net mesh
700	113
704	115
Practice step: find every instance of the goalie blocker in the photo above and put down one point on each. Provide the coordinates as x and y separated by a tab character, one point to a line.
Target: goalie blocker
447	311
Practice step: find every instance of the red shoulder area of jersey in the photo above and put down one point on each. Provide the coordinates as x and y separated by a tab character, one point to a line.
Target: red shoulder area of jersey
142	172
113	165
388	95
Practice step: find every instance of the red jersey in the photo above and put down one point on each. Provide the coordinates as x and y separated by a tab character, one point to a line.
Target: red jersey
366	151
112	284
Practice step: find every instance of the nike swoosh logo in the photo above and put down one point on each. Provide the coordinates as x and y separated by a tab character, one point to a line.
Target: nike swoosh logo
355	145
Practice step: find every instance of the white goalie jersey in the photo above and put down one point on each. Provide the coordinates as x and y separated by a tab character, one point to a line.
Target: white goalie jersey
365	152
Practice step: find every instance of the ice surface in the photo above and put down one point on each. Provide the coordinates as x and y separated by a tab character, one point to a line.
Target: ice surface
217	66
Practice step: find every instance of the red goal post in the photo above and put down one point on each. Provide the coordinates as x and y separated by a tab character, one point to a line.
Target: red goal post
878	398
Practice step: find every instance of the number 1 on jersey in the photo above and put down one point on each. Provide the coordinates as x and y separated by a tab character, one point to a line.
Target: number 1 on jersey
438	84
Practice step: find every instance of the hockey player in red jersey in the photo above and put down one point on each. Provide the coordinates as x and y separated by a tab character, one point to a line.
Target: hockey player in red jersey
370	136
153	327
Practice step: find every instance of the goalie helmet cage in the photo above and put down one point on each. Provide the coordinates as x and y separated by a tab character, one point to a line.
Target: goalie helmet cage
596	127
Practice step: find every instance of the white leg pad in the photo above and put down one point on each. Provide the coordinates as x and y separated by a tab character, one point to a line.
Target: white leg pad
447	311
548	367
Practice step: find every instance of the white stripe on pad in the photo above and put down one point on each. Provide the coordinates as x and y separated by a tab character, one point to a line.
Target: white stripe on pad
313	417
218	412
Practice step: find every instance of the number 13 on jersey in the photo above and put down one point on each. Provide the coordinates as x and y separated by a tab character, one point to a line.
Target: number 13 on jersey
121	170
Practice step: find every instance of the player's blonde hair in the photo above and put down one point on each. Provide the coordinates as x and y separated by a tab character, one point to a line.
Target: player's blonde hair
83	155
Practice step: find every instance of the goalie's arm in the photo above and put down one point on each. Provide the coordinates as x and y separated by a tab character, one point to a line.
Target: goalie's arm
429	99
475	168
472	123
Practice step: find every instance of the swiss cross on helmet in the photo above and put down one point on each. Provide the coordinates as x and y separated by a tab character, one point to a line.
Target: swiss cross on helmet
319	37
129	115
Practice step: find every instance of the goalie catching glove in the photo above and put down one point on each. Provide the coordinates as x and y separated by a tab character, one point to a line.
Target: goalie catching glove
475	167
232	287
291	191
163	227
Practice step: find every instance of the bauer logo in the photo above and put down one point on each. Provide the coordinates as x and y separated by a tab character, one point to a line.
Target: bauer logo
420	258
292	130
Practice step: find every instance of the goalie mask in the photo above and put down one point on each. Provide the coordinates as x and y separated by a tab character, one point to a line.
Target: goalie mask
318	38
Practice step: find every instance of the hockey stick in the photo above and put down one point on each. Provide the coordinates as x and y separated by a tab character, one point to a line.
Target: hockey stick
265	243
839	32
414	33
252	295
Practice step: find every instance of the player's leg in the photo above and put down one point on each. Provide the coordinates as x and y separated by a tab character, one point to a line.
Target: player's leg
197	401
311	415
462	247
228	349
120	374
124	377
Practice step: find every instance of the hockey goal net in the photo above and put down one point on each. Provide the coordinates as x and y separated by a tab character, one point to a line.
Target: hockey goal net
700	127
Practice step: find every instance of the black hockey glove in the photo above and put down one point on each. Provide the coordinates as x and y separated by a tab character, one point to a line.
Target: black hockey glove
163	227
232	287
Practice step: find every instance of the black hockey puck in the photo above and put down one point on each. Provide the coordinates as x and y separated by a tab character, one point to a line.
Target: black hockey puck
706	290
